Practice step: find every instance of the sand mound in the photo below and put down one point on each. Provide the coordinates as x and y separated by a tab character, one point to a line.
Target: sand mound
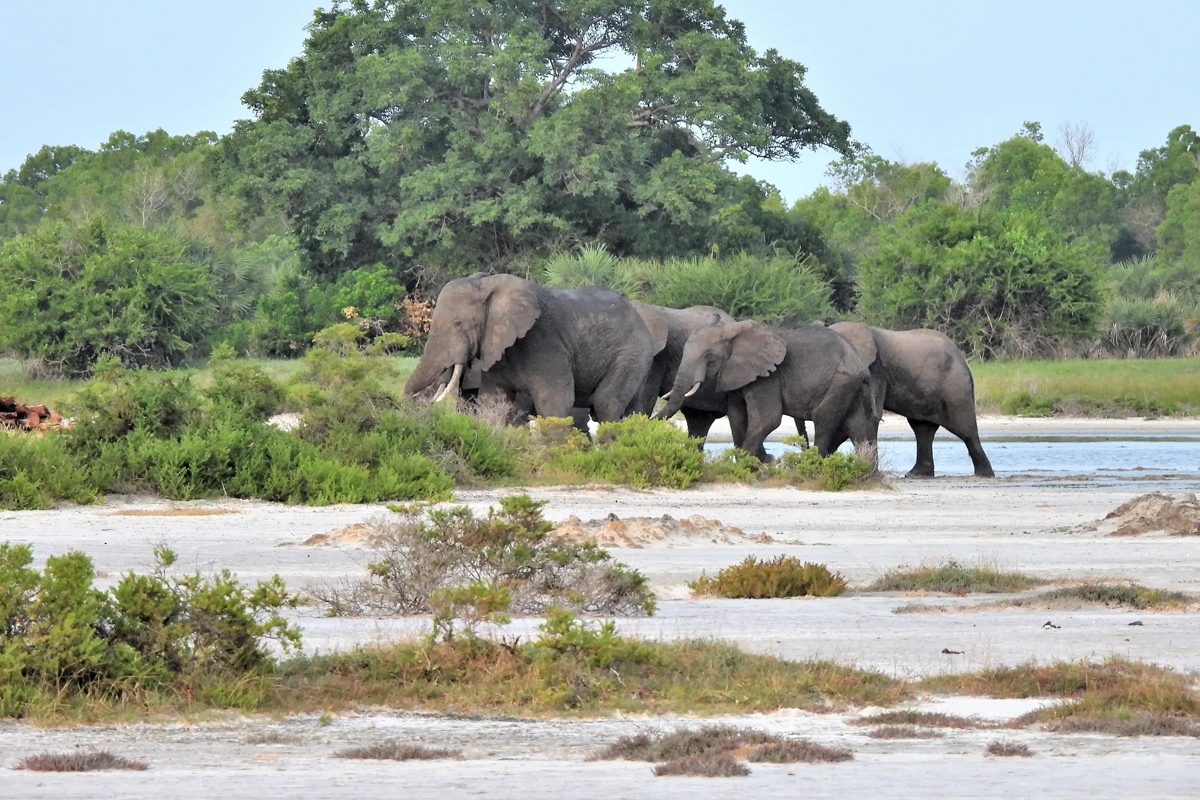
649	531
1174	515
357	535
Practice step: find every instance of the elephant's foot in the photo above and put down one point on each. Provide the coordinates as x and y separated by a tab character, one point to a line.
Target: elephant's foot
920	471
984	472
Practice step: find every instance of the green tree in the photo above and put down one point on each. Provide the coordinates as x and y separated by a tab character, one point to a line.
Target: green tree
996	284
440	135
72	293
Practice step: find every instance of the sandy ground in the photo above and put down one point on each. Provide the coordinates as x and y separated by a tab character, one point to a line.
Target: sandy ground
1009	524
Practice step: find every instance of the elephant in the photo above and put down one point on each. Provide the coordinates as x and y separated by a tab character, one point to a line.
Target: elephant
921	375
701	409
807	373
561	348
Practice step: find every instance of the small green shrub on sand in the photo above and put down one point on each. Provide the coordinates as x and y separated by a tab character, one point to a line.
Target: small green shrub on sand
910	718
426	562
952	577
903	732
783	576
833	473
637	451
709	751
798	751
61	639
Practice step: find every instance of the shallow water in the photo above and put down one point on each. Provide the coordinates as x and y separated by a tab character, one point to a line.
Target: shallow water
1166	461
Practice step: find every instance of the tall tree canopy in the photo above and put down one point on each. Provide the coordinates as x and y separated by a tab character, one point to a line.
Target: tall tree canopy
449	134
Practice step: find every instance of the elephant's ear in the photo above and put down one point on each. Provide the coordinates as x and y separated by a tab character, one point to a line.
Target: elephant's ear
754	352
655	323
860	338
512	308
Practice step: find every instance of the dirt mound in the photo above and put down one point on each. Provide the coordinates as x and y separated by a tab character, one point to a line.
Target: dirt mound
649	531
1175	515
357	535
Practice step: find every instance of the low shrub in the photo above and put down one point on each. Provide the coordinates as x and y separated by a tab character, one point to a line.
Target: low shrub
952	577
783	576
397	751
832	473
688	752
79	761
717	765
1008	749
798	751
907	718
1127	595
63	640
450	560
903	732
1025	404
637	451
35	471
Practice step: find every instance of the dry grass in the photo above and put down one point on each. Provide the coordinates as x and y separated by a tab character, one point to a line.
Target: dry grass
926	719
172	512
951	577
272	737
1142	724
798	751
397	751
903	732
82	761
719	742
718	765
1118	595
1008	750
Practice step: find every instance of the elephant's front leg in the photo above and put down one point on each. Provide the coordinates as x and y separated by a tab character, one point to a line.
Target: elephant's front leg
551	386
924	431
764	412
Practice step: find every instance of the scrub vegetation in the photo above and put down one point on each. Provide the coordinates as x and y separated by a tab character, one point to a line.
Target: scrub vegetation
952	577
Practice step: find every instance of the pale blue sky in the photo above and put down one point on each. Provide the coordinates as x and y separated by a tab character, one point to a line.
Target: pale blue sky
919	80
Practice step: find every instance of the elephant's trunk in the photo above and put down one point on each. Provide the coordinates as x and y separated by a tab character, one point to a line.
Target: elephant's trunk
452	387
441	353
687	383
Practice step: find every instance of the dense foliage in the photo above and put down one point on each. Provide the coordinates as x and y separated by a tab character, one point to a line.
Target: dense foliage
582	141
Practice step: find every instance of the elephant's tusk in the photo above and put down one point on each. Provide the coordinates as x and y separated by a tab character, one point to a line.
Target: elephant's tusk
666	396
694	389
452	386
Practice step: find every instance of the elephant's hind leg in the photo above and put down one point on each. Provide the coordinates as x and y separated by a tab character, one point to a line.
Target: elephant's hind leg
979	459
924	431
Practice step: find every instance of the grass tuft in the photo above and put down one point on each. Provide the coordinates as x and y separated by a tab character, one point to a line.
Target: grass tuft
952	577
85	761
1008	750
1126	595
397	751
784	576
798	751
717	765
928	719
903	732
1137	724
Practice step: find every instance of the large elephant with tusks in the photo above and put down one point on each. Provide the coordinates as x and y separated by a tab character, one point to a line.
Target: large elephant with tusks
559	348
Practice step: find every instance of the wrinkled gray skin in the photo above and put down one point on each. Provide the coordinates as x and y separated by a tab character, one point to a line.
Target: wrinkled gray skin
563	348
921	375
808	373
706	406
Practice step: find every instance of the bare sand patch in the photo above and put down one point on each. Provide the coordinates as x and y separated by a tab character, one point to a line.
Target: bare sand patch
172	512
664	531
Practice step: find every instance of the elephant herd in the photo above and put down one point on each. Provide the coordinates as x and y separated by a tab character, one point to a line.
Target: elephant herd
591	352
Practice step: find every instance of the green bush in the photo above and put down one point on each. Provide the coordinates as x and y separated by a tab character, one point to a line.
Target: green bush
1024	404
71	294
35	471
783	576
997	284
62	640
832	473
462	567
636	451
776	290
